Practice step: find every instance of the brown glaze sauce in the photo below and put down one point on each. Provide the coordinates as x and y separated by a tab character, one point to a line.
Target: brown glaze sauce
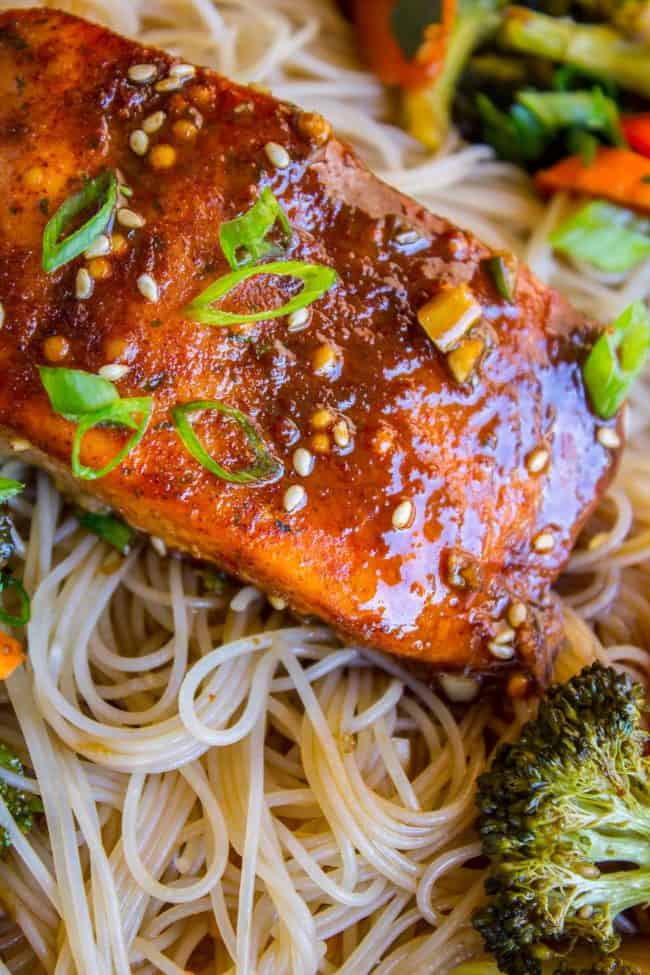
456	452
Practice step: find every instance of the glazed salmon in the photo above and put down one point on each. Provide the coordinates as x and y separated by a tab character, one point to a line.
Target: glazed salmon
417	446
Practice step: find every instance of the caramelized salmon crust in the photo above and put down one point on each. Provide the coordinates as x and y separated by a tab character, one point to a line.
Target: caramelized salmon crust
430	472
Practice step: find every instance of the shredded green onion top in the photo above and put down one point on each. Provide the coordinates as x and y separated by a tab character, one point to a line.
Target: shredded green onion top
109	528
9	489
89	401
244	239
101	190
317	279
609	237
8	581
616	359
266	467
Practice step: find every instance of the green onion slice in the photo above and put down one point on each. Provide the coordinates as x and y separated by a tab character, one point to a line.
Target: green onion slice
316	278
8	581
122	413
109	528
9	489
102	190
244	239
503	274
616	359
609	237
73	393
266	467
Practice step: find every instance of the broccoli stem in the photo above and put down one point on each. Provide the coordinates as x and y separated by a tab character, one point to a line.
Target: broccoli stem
621	849
595	49
427	110
616	891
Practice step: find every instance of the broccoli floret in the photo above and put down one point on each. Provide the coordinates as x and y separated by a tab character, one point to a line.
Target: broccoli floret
594	48
427	109
565	820
22	805
604	966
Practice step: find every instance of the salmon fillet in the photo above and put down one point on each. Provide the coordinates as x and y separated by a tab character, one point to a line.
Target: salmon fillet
417	500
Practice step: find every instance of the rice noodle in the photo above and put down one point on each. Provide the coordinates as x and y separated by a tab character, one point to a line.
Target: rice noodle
226	790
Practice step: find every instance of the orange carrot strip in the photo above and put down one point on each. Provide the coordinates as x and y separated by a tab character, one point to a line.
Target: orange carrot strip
11	655
383	53
615	174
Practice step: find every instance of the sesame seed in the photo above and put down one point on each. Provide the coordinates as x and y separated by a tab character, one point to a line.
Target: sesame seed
34	178
322	419
169	84
56	348
19	444
84	284
119	244
297	320
2	315
501	651
184	130
403	515
504	634
99	248
325	360
588	870
408	237
130	219
113	371
517	614
142	74
196	116
139	142
321	443
544	542
608	437
303	461
537	460
154	122
277	155
518	686
182	71
314	126
295	497
459	689
114	349
162	156
341	433
277	602
148	287
158	545
99	268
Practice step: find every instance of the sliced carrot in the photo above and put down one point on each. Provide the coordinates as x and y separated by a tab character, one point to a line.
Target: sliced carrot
383	53
615	174
11	655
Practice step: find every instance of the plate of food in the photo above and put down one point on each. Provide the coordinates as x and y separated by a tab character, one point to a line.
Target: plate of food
324	526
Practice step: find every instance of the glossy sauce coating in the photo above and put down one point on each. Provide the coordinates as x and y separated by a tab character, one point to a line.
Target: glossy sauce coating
418	531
